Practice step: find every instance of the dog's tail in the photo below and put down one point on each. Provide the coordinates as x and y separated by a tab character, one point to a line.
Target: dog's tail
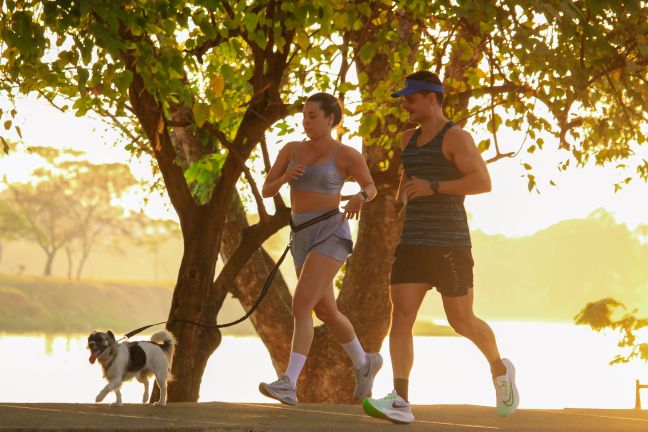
166	342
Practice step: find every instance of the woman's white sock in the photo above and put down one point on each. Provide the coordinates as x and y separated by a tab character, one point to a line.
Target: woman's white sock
295	366
356	352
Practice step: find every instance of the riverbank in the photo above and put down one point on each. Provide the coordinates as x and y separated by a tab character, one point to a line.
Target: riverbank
52	305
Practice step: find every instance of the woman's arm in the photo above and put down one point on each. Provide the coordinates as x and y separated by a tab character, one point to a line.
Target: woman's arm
358	170
279	174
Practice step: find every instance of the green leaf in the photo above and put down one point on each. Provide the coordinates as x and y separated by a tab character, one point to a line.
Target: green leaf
367	124
201	113
302	40
250	20
123	81
217	109
367	52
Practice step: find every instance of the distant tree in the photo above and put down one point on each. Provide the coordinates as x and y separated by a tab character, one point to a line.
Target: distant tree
97	216
11	225
70	204
598	315
42	206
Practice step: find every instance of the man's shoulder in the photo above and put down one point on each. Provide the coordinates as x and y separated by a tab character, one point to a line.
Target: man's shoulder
456	136
407	136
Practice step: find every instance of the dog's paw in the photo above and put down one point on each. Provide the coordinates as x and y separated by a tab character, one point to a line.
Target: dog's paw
160	404
145	399
116	404
99	398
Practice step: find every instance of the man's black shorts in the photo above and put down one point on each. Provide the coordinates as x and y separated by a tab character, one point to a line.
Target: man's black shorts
450	270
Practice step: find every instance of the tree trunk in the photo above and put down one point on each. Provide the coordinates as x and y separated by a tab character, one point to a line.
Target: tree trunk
82	262
48	263
68	253
194	344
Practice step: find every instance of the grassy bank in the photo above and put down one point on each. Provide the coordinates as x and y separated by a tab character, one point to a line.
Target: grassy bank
37	304
55	305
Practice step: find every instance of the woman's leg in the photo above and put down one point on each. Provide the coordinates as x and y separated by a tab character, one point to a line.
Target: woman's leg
315	276
327	311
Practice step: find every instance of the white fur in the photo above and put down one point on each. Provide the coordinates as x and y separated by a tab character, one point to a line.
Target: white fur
158	364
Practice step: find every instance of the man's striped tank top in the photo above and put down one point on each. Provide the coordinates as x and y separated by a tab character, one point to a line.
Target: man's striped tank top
436	220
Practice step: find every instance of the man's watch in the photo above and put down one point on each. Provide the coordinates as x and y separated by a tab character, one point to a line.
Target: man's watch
364	194
435	187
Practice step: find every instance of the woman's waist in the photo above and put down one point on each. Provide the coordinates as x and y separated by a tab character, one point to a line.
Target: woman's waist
313	202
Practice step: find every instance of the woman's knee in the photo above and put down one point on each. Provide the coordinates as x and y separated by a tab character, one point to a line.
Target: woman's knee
325	314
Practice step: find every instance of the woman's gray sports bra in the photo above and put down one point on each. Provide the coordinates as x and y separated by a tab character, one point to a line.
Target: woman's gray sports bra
323	177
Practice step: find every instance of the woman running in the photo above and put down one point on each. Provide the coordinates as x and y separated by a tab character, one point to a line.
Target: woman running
316	170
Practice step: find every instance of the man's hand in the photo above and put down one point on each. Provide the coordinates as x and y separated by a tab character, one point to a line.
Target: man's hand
416	187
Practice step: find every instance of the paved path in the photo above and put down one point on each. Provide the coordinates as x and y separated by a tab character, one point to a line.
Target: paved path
248	417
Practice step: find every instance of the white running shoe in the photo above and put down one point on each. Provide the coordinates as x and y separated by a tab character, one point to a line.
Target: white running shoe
281	390
364	377
506	391
392	408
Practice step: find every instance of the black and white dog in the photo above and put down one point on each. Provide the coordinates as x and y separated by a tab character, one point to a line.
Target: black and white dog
123	361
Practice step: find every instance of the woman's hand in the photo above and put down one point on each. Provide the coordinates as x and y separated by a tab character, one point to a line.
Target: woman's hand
293	174
353	206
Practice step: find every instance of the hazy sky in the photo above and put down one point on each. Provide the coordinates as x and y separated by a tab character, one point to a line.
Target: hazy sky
509	209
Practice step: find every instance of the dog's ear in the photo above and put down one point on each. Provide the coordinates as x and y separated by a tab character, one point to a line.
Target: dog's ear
111	335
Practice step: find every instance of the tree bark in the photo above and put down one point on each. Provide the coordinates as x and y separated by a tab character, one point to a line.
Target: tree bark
194	344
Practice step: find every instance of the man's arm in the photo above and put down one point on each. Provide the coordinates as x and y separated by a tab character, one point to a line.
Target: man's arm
461	150
464	154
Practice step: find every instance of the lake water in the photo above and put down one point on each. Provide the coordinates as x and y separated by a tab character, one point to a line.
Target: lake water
558	365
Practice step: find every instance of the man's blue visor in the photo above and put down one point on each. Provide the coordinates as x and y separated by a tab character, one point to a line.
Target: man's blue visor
413	86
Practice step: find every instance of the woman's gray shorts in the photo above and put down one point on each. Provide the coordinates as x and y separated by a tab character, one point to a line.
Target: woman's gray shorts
330	237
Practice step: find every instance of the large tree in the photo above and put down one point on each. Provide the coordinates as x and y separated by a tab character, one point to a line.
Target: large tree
197	84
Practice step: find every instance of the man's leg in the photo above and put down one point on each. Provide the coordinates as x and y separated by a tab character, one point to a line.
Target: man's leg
395	407
407	299
461	317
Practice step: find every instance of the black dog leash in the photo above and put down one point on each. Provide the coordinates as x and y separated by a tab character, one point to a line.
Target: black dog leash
264	290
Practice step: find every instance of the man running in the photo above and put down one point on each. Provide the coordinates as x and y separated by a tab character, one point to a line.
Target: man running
441	164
